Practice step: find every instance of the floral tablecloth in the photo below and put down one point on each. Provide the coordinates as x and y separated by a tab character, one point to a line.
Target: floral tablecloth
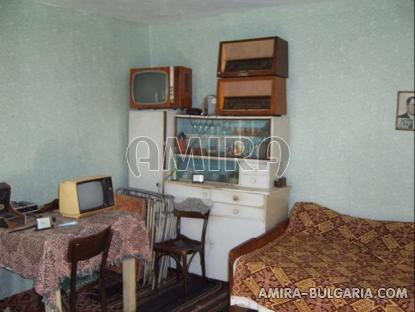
41	255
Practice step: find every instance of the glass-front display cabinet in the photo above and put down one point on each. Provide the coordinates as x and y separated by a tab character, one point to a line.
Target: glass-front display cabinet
215	145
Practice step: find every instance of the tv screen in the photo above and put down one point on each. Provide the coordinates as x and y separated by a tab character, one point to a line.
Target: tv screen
90	195
150	87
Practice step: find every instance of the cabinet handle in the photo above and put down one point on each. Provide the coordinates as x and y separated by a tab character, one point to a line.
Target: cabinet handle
235	198
235	211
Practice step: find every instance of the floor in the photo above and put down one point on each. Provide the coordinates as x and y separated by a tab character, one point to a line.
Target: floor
203	297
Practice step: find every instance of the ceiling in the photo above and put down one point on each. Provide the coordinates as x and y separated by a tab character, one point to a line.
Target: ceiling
153	11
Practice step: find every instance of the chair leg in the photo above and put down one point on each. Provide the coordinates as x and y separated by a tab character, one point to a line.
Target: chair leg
202	264
156	270
179	269
102	294
40	303
72	301
185	274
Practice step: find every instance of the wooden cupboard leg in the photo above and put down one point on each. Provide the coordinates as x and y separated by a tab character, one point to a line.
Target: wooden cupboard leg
129	285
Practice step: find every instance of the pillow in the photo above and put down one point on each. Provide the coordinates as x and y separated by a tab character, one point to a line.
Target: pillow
193	204
131	204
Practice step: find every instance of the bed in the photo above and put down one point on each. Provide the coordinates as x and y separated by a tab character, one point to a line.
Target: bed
321	260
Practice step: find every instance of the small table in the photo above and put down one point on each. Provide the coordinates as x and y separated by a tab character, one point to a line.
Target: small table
41	255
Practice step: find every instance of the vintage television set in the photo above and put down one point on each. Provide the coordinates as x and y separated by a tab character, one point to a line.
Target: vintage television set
161	87
85	196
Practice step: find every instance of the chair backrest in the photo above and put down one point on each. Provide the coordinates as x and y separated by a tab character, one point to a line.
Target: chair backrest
83	248
192	215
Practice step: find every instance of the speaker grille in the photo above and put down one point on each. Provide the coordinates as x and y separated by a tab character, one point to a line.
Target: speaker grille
247	102
249	64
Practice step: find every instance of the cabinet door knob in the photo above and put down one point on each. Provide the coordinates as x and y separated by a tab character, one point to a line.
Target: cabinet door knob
235	198
235	211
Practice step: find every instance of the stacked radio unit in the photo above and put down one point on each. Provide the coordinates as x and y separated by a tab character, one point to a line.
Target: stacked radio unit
252	77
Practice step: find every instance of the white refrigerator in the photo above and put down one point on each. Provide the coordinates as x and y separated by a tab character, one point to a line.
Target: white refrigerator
148	130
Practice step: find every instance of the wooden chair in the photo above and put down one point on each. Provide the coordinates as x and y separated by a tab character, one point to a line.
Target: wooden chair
81	249
182	246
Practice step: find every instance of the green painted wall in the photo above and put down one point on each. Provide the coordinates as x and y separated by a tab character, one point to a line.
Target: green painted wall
348	59
63	95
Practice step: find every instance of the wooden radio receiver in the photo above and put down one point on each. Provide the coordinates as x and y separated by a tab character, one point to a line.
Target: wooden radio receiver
260	96
253	57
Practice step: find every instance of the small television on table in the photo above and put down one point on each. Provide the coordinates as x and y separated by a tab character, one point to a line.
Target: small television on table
85	196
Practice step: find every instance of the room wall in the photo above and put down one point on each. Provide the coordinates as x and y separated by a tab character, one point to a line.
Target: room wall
348	59
63	95
63	100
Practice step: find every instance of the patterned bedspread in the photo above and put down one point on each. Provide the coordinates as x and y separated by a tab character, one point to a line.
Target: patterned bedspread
41	255
330	262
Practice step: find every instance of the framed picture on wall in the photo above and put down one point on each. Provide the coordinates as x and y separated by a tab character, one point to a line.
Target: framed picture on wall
405	111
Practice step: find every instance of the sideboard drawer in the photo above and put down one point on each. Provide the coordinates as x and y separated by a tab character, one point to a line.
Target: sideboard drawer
254	179
236	211
181	192
257	174
238	198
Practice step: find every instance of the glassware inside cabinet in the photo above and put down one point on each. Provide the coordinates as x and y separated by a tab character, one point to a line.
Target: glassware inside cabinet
213	169
203	139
